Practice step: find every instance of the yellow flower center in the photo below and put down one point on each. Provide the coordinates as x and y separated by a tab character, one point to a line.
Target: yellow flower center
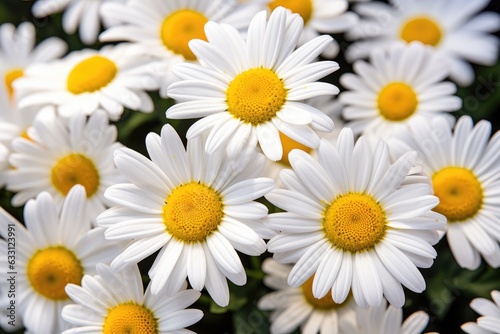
325	303
256	95
459	191
192	212
10	76
130	318
397	101
302	7
91	74
51	269
75	168
422	29
354	222
288	145
179	28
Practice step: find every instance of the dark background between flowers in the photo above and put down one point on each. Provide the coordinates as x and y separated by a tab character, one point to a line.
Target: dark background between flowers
449	288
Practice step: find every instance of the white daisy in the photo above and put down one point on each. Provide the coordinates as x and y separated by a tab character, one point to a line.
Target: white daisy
330	107
294	307
111	78
17	52
320	16
84	14
464	168
113	302
60	154
353	223
384	320
489	322
452	27
162	29
400	86
57	247
249	91
194	206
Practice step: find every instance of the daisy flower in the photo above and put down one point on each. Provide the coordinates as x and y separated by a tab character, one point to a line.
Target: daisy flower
294	307
163	29
84	14
353	223
400	86
55	248
489	322
383	320
453	28
61	153
111	78
198	208
249	91
464	167
320	16
111	302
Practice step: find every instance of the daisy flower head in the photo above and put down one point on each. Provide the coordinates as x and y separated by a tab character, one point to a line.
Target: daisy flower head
18	51
83	15
163	29
198	208
320	16
61	153
297	307
352	222
489	321
385	319
247	91
111	79
57	247
464	167
399	87
112	302
453	28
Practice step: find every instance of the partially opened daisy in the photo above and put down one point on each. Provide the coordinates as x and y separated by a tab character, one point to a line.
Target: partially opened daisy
489	321
163	29
453	28
57	247
297	307
61	153
83	15
112	302
353	223
249	91
196	208
464	167
111	78
320	16
388	319
400	86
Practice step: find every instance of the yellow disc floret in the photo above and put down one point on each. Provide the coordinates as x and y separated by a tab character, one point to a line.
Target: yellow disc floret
91	75
75	168
354	222
179	28
9	78
302	7
256	95
51	269
459	191
325	303
130	318
397	101
422	29
192	212
288	145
